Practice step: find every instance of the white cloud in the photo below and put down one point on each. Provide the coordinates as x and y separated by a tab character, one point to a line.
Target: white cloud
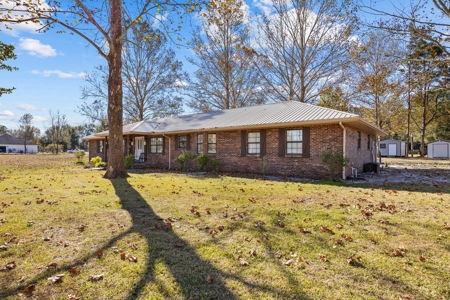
28	107
6	115
16	12
39	119
35	48
60	74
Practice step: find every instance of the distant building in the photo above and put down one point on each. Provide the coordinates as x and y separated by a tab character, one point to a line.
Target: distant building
10	144
439	149
392	148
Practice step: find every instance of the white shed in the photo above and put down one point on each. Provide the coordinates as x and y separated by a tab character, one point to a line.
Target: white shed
439	149
392	148
10	144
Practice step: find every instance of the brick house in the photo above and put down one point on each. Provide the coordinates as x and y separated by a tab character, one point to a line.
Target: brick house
286	138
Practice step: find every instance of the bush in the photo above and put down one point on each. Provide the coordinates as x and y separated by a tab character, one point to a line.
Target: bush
184	158
129	161
335	161
97	162
202	160
216	164
80	157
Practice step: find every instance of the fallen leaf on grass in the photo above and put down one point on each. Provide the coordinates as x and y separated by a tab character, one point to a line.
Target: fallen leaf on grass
209	279
74	271
99	253
29	290
52	265
447	226
96	277
9	266
323	258
288	262
22	279
347	238
57	278
243	262
400	252
277	255
422	259
3	248
134	246
73	297
339	226
326	229
253	252
354	260
304	230
132	258
82	228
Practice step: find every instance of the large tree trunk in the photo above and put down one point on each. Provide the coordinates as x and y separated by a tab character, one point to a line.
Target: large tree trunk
116	164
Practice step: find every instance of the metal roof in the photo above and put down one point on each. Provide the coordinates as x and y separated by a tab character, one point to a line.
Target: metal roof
6	139
290	113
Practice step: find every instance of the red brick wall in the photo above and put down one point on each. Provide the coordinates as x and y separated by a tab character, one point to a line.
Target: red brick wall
358	156
322	138
93	149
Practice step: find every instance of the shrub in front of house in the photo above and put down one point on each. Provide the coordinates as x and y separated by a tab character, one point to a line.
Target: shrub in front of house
335	161
202	161
97	162
80	157
129	161
216	164
184	159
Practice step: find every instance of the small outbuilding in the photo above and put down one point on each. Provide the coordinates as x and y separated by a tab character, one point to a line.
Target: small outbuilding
392	148
10	144
439	149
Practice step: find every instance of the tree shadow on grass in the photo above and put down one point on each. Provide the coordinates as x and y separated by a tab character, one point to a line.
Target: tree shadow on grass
188	269
190	272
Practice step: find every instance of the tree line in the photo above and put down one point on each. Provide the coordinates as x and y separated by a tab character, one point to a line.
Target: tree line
393	72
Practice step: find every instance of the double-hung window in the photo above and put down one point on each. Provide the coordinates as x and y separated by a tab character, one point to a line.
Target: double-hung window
156	145
200	143
212	143
253	143
100	147
182	141
294	141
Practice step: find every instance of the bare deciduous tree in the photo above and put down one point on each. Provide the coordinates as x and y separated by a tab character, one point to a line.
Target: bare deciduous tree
56	129
226	76
305	46
101	25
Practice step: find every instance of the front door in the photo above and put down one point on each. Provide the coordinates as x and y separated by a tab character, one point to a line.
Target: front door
139	146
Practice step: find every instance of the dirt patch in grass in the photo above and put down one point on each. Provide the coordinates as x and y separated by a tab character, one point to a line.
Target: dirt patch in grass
172	236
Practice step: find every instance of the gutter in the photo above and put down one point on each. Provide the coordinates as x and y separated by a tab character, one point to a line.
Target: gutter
344	132
170	152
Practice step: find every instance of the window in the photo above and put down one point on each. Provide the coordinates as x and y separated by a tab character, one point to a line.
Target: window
368	142
100	147
156	145
200	143
359	139
212	143
294	141
182	141
253	143
382	146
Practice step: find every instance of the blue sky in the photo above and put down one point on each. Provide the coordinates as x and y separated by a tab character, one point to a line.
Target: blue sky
51	68
50	73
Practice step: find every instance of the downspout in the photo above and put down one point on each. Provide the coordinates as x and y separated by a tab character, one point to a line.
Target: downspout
344	132
170	152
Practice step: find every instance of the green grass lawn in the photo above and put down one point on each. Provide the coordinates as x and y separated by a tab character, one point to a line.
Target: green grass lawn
64	230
